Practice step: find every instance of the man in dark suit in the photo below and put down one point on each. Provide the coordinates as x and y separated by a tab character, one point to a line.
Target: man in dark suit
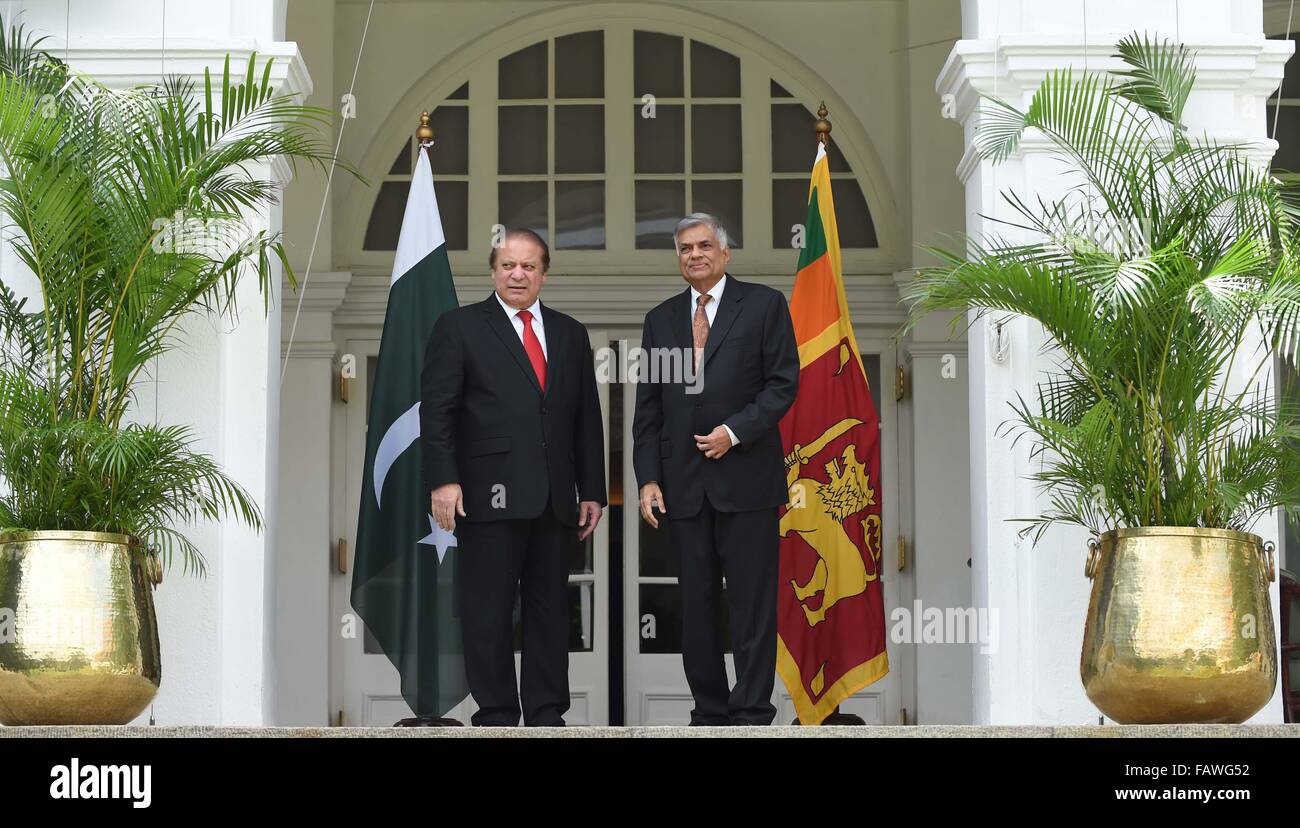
512	442
708	455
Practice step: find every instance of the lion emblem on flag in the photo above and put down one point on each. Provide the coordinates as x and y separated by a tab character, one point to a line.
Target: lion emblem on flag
818	511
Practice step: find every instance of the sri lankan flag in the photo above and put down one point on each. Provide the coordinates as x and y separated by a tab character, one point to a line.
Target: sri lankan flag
830	610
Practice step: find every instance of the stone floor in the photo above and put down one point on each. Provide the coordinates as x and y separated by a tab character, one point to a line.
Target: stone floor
925	731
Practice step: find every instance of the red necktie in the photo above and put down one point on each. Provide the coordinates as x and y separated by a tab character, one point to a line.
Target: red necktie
533	347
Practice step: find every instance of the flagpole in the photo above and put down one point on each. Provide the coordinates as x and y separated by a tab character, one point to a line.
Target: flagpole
822	129
424	138
424	132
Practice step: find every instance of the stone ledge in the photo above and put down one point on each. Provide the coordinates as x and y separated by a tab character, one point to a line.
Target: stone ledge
870	732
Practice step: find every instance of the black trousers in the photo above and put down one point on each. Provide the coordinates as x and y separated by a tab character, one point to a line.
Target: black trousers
495	559
743	547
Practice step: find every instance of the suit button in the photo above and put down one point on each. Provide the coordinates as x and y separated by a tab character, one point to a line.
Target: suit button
543	444
543	409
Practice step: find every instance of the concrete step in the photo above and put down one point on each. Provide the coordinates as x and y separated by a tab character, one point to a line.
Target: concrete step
869	732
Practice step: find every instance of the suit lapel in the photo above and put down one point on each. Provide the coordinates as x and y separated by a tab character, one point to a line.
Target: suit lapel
680	320
728	310
505	331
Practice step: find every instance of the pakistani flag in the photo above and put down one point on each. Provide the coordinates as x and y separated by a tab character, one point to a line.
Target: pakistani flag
404	578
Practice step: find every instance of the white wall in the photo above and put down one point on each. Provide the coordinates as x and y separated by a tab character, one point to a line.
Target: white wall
879	56
224	380
935	357
1041	592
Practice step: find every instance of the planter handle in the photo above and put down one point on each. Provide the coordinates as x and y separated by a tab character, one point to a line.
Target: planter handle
155	568
1094	553
1269	549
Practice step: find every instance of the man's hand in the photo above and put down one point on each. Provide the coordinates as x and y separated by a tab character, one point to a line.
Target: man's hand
446	503
716	444
588	516
650	498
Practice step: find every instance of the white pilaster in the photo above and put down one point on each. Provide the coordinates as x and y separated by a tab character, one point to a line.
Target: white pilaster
303	568
1009	46
224	380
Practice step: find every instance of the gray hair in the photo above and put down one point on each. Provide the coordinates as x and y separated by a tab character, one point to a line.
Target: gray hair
702	219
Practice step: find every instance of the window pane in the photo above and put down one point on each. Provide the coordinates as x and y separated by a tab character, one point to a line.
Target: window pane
715	138
657	65
851	214
461	94
658	560
714	73
661	140
580	555
1288	151
580	215
386	216
523	204
582	610
523	74
789	207
724	200
521	140
779	91
402	163
453	208
659	206
794	142
659	619
852	218
580	139
580	65
450	153
871	366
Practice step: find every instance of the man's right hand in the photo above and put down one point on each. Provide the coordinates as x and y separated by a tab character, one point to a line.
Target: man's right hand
650	498
446	503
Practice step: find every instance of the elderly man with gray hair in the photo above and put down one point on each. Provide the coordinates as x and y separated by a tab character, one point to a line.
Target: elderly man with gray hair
711	464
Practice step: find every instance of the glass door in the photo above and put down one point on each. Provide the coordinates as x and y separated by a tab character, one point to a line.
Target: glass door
366	688
655	690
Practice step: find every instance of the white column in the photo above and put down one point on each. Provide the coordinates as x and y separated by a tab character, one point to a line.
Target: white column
304	563
224	381
933	410
1040	593
940	545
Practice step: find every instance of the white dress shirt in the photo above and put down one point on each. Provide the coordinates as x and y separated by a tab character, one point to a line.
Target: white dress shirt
536	310
711	311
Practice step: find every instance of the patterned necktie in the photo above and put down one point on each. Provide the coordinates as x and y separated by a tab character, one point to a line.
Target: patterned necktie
700	327
533	347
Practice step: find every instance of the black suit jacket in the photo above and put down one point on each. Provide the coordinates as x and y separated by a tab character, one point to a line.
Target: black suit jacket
485	422
751	375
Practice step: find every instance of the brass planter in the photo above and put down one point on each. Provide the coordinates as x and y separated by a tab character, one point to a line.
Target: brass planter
84	642
1180	626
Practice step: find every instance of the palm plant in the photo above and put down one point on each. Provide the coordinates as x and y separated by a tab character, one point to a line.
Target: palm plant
1150	274
126	206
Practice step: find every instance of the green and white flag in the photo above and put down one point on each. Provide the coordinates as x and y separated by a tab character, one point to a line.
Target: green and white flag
403	582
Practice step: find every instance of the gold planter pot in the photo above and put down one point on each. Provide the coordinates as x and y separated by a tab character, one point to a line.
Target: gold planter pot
78	633
1180	626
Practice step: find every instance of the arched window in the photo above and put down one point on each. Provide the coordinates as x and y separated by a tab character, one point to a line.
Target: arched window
602	139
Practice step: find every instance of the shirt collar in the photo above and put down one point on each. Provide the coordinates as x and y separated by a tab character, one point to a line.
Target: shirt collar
715	292
535	309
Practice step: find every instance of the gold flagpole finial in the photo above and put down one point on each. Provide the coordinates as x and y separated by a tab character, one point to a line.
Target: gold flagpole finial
823	126
424	132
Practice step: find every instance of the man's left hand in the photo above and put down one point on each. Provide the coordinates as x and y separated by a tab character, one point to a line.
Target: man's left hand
716	444
589	512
